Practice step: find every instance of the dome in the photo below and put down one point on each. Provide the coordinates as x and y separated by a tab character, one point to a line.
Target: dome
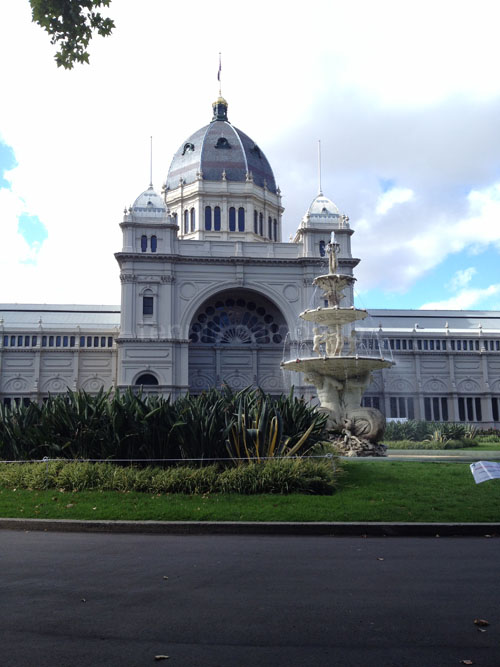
149	204
321	206
220	148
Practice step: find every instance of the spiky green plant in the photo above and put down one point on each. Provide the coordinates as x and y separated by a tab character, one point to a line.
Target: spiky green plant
257	432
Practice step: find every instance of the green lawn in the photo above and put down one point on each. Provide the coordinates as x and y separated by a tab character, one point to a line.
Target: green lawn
369	491
480	447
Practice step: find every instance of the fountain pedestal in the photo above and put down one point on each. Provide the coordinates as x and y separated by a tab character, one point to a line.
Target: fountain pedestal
341	380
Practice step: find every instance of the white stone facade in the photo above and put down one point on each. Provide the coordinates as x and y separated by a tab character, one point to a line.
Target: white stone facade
212	296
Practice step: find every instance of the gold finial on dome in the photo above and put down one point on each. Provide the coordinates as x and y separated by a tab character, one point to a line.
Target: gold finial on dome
220	109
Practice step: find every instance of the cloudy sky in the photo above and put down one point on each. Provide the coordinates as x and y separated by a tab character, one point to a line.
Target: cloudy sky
405	97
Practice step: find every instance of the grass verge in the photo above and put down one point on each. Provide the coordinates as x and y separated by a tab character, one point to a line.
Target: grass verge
412	444
369	491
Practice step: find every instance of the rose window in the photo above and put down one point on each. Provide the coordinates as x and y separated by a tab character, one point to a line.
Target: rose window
237	321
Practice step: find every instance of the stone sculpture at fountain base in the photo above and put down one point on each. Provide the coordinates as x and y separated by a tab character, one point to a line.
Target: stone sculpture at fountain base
341	383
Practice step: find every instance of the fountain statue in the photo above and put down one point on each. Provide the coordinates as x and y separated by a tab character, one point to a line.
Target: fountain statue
341	379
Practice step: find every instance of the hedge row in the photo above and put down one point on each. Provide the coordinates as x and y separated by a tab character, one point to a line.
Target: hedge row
310	476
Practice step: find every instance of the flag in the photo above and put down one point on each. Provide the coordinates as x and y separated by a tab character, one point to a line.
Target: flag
485	470
220	68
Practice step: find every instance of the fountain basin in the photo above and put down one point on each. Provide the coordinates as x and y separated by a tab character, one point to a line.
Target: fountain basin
340	368
332	316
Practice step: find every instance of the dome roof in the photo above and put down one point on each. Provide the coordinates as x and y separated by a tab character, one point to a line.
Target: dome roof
220	147
321	206
149	204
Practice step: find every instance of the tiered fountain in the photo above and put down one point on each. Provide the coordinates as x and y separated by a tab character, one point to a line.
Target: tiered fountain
341	379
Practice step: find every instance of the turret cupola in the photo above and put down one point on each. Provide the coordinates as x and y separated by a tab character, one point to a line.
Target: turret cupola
220	109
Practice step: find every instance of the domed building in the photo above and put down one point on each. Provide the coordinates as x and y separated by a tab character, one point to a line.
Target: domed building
211	296
220	185
210	293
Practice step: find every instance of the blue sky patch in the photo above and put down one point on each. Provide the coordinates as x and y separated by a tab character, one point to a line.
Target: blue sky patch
32	229
435	285
7	162
386	184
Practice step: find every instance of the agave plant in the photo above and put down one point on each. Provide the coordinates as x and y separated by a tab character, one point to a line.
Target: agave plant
257	433
437	436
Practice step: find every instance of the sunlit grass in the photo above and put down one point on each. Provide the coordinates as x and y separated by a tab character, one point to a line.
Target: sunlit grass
369	491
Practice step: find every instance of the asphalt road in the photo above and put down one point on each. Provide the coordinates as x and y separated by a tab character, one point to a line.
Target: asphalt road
69	599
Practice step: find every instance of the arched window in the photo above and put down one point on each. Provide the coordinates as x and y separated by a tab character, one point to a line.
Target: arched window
270	227
255	222
186	222
193	219
229	319
146	379
275	229
241	219
232	219
208	218
261	224
217	218
144	243
322	250
154	243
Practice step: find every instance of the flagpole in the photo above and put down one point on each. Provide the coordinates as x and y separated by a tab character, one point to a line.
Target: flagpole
319	167
219	75
151	162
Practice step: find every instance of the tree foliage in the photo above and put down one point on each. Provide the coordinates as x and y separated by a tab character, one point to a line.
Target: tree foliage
71	25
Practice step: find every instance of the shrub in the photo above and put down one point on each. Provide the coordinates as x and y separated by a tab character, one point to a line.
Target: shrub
129	426
430	444
419	430
490	437
277	476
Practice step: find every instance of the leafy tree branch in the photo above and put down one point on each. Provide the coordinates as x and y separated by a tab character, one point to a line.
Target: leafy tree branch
71	25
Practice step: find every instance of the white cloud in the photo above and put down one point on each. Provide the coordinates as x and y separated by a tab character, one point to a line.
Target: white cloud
461	279
464	300
392	197
406	92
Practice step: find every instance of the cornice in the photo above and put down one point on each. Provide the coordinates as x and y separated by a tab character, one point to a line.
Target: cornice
122	341
188	259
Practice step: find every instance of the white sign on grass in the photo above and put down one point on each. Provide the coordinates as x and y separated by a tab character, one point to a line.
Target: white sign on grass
485	470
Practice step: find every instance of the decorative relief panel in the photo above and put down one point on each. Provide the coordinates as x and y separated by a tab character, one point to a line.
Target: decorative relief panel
468	386
495	387
237	380
147	354
200	381
435	386
57	361
291	292
17	384
400	385
56	385
272	383
187	291
95	361
93	384
434	364
16	361
467	364
405	364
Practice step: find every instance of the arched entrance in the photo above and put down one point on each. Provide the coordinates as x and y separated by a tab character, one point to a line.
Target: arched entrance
236	338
